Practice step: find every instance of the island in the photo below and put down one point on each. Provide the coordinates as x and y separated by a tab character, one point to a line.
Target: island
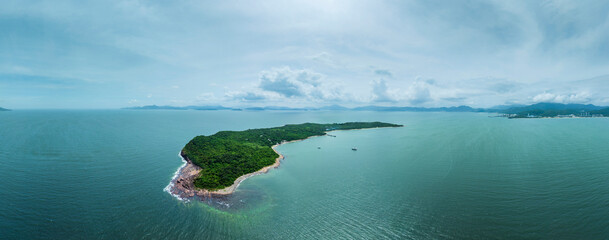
216	164
3	109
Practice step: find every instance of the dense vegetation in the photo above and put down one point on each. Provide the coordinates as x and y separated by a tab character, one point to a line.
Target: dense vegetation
559	108
555	109
604	112
227	155
564	112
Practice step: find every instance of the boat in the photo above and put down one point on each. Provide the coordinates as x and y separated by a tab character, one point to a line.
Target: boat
354	148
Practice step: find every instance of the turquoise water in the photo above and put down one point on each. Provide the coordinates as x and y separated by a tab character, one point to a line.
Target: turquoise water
100	175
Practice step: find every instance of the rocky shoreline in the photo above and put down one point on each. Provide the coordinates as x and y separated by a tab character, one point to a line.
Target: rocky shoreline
182	185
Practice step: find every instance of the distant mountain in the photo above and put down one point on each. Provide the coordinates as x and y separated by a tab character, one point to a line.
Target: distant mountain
504	107
552	107
419	109
155	107
334	108
604	111
275	108
218	107
326	108
4	109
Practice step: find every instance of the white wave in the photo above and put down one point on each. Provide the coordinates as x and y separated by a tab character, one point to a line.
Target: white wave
173	179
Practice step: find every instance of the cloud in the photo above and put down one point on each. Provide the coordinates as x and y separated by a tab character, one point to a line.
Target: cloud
245	96
287	82
207	97
380	92
562	98
419	93
532	50
383	72
503	87
325	59
294	84
454	99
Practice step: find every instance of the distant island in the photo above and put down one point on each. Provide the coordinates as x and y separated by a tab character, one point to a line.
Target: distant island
216	164
4	109
538	110
556	110
325	108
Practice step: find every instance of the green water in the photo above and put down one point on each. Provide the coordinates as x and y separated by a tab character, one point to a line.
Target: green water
101	175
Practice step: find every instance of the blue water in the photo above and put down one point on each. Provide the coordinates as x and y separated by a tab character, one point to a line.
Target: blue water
100	175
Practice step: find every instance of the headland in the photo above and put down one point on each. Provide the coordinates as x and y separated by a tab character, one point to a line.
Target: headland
215	165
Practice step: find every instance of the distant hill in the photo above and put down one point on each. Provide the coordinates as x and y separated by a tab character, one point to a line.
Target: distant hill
419	109
4	109
334	108
275	108
556	109
553	106
500	108
326	108
218	107
155	107
604	111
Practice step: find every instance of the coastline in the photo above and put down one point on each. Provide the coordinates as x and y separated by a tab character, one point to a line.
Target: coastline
182	186
230	189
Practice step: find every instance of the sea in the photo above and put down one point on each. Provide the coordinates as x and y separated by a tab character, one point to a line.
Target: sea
101	174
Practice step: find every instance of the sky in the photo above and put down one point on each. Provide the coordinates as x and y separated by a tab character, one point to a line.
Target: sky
113	54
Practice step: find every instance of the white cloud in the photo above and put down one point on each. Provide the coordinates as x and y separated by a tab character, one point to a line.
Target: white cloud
288	82
380	93
245	96
295	84
419	93
582	97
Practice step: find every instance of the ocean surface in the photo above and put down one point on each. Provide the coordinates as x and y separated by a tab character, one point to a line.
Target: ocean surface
100	174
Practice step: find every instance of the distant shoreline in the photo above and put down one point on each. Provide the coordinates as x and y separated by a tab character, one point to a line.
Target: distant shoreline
555	117
182	186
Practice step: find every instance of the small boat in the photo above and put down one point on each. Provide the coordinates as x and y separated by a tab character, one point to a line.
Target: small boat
318	147
354	148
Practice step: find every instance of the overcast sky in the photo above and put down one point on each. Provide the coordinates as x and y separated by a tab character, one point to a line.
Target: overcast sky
111	54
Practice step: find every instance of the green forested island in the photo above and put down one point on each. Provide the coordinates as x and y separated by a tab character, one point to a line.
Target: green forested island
227	155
